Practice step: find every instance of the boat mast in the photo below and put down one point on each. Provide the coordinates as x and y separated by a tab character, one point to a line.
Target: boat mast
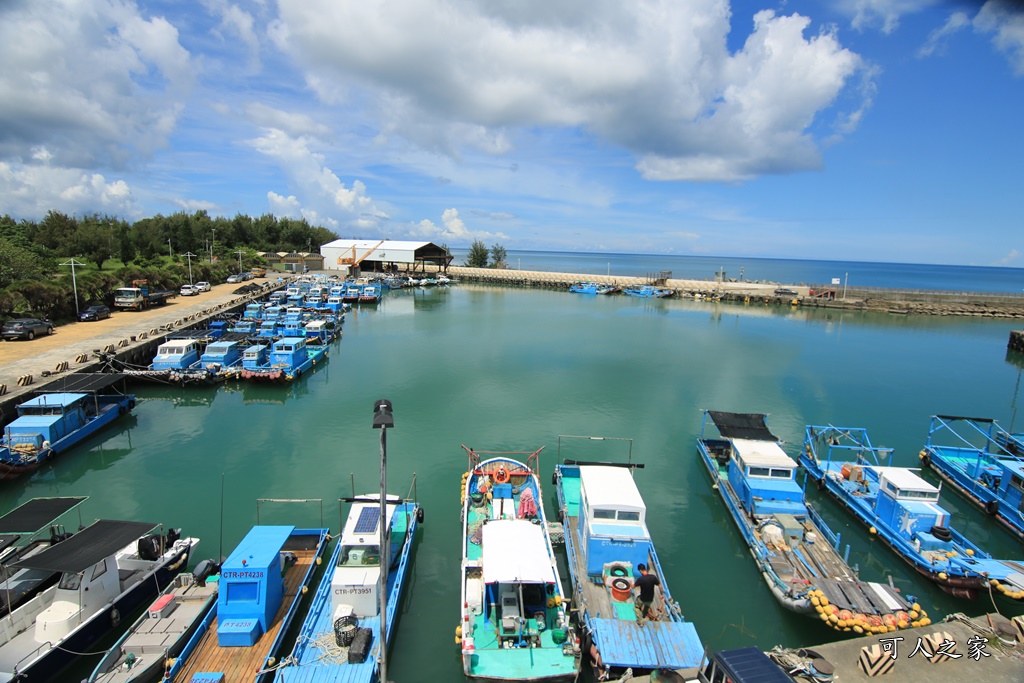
382	419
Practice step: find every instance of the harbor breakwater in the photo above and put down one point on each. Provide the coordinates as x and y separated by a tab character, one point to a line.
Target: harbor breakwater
896	301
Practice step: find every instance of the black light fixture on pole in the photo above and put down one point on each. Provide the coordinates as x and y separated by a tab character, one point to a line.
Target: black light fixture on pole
383	420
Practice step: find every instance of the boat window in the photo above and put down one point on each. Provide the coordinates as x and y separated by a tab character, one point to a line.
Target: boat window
70	582
98	570
891	488
628	516
759	472
919	495
782	474
245	591
359	556
604	514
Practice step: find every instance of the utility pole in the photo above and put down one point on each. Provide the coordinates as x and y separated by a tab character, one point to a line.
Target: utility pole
846	282
382	420
189	255
213	243
74	282
239	252
169	252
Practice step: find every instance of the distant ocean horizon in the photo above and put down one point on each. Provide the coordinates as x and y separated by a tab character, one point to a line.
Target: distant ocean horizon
781	271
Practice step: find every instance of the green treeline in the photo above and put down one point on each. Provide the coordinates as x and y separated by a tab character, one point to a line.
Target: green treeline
36	278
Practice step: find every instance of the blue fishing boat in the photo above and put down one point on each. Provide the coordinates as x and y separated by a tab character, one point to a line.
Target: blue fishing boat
286	360
795	550
219	357
175	354
903	510
247	326
607	541
268	329
340	639
253	311
108	570
982	462
352	292
592	288
51	423
371	294
647	292
321	331
261	585
512	622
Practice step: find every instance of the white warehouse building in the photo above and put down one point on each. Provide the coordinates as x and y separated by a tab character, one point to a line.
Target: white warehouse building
350	256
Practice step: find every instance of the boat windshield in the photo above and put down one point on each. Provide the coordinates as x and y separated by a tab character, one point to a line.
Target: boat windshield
359	556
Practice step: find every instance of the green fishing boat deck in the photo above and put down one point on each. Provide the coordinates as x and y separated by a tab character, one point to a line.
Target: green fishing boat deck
543	657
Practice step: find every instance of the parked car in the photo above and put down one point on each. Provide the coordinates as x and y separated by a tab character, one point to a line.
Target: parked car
26	328
232	279
203	286
784	292
188	290
94	312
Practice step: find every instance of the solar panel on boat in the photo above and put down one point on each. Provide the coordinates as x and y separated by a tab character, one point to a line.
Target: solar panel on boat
367	522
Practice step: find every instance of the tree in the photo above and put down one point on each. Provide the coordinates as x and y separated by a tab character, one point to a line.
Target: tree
94	239
477	256
18	264
498	256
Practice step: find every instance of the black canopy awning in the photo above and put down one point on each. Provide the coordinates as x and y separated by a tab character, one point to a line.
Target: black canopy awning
90	545
36	514
81	383
742	426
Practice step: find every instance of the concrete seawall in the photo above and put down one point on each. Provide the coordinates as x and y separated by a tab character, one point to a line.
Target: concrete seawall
895	301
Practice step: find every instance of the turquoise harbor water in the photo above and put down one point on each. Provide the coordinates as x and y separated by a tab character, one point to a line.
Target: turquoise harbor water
513	369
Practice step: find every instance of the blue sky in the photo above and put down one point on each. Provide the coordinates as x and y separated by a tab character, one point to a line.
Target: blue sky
873	130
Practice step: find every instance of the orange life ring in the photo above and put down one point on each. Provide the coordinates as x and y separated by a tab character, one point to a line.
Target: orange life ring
501	476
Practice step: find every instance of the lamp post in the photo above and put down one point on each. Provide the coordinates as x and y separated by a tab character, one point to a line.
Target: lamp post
382	420
189	255
74	282
239	252
213	243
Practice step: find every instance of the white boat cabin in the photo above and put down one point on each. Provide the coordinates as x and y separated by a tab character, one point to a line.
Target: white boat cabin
355	586
763	477
613	519
517	573
909	504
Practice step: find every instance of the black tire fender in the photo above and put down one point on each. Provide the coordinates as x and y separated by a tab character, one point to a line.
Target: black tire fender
992	507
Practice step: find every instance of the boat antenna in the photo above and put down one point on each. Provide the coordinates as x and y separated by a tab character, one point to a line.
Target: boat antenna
220	542
382	420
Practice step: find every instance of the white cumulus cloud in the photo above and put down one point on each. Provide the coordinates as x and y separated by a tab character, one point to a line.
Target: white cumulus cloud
320	195
32	190
654	77
454	230
97	83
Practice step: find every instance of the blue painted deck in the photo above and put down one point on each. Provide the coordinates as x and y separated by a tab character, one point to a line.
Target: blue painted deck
659	644
317	664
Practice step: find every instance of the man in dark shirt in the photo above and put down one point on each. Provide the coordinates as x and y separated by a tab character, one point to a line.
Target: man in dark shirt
646	583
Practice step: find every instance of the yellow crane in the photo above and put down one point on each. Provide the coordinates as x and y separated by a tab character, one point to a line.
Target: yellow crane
352	260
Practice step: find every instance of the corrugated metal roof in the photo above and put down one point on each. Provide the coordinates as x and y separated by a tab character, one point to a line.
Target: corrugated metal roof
377	244
656	644
763	453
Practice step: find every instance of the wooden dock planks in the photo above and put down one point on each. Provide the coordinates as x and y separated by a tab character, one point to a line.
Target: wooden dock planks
242	664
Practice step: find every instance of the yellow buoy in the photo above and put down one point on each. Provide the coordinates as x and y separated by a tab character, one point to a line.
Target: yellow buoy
913	614
833	618
305	589
815	601
969	551
824	617
270	661
942	576
458	630
915	624
925	621
873	530
824	601
558	599
458	641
